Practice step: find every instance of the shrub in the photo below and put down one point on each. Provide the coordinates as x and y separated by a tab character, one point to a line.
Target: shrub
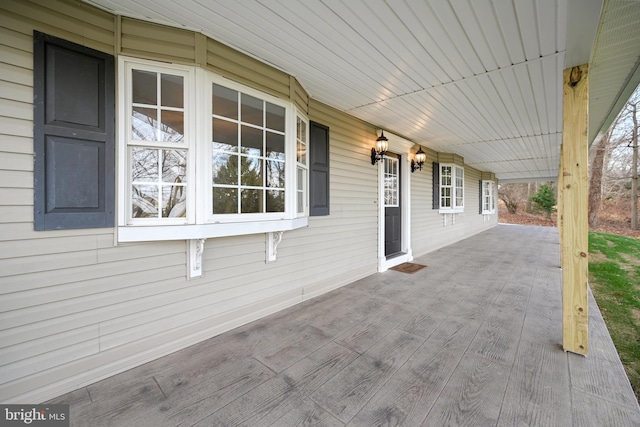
544	200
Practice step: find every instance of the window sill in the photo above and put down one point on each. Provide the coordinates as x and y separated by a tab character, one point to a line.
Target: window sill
451	211
205	231
488	212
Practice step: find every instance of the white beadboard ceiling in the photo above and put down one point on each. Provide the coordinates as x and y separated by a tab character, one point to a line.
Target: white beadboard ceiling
479	78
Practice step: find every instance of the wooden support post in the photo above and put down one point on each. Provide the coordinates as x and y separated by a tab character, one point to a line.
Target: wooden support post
574	229
559	205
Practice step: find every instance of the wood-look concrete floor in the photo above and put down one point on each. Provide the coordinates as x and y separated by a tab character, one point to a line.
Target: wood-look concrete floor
474	339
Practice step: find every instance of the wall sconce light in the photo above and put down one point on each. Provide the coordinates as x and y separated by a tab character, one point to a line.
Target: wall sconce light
382	145
418	161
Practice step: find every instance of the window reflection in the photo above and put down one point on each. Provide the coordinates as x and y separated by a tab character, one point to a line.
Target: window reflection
251	110
154	119
251	201
144	87
251	141
275	174
225	102
225	135
275	117
275	201
159	179
172	88
248	166
225	200
251	170
275	146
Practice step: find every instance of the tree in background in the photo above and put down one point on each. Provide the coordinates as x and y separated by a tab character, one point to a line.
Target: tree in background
513	196
545	200
595	178
615	165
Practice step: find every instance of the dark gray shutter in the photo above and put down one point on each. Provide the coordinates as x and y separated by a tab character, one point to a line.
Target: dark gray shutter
319	169
436	185
74	144
481	198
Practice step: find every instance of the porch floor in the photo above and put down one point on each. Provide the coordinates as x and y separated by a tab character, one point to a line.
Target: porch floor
474	339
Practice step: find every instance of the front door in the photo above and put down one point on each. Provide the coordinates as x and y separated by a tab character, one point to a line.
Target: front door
392	206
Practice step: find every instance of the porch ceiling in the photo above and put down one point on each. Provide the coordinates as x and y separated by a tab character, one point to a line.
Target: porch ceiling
479	78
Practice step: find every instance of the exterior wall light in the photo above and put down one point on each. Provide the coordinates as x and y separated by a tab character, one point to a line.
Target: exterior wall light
418	161
382	145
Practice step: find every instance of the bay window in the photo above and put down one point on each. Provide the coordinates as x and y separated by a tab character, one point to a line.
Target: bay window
202	156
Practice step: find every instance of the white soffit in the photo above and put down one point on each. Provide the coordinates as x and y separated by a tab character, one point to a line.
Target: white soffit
614	68
480	78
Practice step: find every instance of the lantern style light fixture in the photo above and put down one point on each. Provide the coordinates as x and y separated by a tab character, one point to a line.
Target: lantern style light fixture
382	145
418	161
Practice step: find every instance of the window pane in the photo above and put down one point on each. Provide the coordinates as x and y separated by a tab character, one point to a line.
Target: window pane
445	199
275	201
445	175
225	102
144	165
251	172
174	166
225	135
275	117
275	146
301	152
251	201
144	201
251	110
275	174
172	127
251	141
300	188
144	124
225	200
172	91
391	181
174	201
225	169
144	86
301	131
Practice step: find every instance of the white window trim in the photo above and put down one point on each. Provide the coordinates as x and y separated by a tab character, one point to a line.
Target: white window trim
124	119
454	172
396	162
305	166
198	224
290	156
491	196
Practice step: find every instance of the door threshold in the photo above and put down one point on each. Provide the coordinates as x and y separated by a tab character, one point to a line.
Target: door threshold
396	255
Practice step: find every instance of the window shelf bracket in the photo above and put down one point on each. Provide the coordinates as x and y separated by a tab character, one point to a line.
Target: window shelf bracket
196	249
273	240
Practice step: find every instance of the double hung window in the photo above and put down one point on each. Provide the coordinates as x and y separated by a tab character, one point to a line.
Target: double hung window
158	144
451	188
202	156
488	197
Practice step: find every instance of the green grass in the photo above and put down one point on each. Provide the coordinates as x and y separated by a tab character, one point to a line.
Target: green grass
614	276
